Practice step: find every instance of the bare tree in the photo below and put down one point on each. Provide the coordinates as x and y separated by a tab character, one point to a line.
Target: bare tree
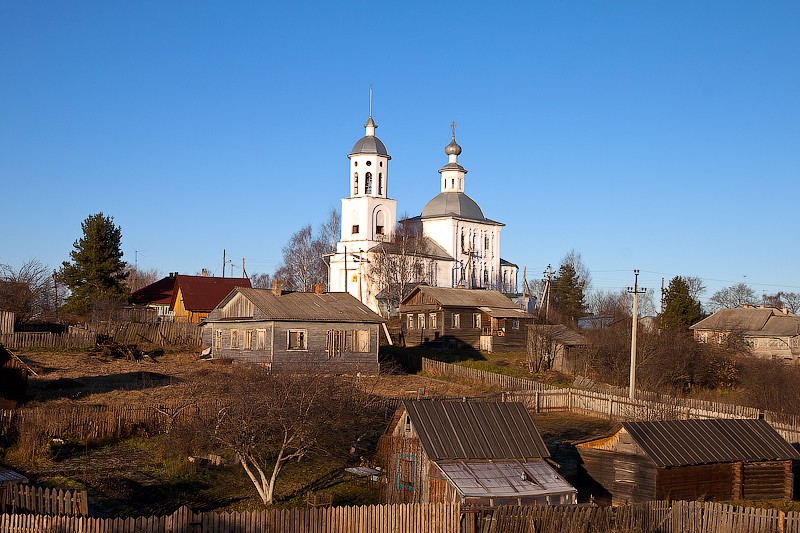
542	348
731	297
573	258
791	300
139	278
261	281
330	230
27	291
303	267
696	286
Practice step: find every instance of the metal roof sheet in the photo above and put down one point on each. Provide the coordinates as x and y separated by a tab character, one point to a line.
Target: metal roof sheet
475	430
159	292
692	442
744	319
307	306
203	293
9	476
369	144
447	297
497	479
455	204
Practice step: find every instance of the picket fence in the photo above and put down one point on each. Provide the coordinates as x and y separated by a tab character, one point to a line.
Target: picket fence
542	397
19	498
656	517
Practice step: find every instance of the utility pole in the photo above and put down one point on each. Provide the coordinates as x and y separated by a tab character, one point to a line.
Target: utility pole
224	262
663	296
636	292
546	291
244	272
55	290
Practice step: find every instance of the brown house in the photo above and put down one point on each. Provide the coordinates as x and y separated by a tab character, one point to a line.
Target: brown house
481	319
326	332
722	459
473	453
194	297
770	333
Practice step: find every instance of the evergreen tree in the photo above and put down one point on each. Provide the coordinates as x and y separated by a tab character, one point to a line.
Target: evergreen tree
568	292
680	309
96	272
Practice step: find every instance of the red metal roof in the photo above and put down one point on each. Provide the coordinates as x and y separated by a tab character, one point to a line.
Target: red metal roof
158	293
203	293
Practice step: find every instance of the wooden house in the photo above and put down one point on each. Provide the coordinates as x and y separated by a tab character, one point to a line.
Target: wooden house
770	333
556	346
13	378
721	459
324	332
472	453
158	296
482	319
194	297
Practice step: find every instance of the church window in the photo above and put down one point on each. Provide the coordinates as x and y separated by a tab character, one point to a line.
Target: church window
355	183
381	163
462	240
485	276
486	242
369	163
355	229
355	163
380	183
368	183
452	183
379	224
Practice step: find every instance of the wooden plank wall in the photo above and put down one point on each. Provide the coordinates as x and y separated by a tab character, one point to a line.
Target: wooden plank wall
19	498
161	334
541	397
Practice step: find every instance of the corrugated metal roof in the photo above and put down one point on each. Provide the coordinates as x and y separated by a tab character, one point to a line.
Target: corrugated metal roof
500	479
744	319
9	476
475	430
560	333
159	292
781	326
692	442
465	297
307	306
203	293
424	247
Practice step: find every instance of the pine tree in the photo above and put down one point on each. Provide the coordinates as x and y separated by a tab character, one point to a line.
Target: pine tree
96	272
680	309
568	292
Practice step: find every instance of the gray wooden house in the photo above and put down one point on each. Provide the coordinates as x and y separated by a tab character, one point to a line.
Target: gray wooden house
473	453
482	319
296	331
721	459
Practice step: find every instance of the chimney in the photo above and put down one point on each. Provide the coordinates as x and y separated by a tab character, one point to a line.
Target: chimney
785	310
204	272
276	287
318	288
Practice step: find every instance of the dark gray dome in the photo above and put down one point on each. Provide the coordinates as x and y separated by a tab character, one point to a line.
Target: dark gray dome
455	204
369	144
453	148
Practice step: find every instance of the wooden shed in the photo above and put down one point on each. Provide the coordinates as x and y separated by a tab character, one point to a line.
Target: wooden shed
323	332
13	376
473	453
721	459
194	297
482	319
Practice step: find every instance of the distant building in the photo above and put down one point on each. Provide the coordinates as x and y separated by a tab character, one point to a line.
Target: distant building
722	459
770	333
296	331
157	295
472	453
482	319
194	297
558	343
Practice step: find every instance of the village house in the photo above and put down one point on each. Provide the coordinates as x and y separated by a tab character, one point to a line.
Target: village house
324	332
157	296
720	459
472	453
482	319
194	297
555	347
770	333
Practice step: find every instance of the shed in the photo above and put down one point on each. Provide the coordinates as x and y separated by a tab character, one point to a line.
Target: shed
326	332
720	459
473	453
482	319
13	376
554	347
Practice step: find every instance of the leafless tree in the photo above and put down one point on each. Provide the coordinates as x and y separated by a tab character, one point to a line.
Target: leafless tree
330	230
791	300
542	348
696	286
574	259
731	297
303	266
27	291
139	278
261	281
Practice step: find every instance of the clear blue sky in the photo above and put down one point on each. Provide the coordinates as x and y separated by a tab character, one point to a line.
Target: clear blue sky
663	136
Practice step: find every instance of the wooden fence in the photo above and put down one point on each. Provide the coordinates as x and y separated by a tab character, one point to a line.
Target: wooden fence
19	498
400	518
542	397
86	336
656	517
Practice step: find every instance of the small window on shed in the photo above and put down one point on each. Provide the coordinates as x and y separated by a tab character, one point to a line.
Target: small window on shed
335	342
408	424
297	339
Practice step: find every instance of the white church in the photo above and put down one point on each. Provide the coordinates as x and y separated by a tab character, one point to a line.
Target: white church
455	245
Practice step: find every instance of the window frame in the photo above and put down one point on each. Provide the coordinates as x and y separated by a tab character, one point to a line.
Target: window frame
303	340
477	322
455	321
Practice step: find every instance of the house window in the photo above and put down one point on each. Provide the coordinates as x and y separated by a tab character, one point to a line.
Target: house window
410	321
335	342
432	320
234	339
355	228
421	320
406	472
368	183
476	320
702	337
361	341
355	183
248	340
261	339
297	339
722	337
408	424
515	324
219	340
455	320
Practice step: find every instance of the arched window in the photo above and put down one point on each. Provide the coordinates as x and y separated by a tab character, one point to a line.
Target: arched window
485	276
368	183
379	224
462	240
355	183
380	183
